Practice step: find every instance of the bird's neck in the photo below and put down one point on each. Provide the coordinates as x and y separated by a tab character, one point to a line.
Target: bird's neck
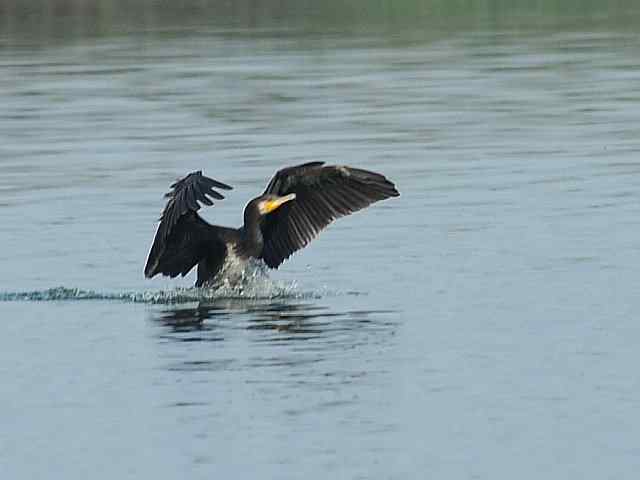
251	240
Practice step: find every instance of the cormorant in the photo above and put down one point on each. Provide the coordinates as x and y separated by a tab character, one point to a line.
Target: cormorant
297	204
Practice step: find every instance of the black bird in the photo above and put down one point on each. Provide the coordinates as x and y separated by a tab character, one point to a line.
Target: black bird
297	204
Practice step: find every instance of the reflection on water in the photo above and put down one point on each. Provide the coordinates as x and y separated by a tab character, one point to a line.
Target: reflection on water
294	350
280	321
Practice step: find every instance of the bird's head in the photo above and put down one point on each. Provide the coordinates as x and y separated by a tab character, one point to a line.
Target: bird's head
270	203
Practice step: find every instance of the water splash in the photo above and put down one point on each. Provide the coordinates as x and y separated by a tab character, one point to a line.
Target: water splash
178	295
250	282
246	280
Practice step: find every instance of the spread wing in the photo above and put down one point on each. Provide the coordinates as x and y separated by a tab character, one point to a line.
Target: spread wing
183	238
323	194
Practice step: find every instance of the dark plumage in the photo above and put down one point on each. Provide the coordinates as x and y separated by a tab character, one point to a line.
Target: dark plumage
297	204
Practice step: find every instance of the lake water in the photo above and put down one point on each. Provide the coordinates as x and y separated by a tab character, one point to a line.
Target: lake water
483	325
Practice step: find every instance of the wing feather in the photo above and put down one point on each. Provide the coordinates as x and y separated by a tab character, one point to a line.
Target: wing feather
183	238
323	194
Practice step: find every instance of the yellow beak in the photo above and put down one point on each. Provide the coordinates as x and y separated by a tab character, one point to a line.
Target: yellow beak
269	206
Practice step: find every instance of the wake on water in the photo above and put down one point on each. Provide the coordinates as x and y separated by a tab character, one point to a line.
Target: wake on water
251	282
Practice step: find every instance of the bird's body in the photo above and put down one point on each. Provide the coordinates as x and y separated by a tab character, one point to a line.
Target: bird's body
297	204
